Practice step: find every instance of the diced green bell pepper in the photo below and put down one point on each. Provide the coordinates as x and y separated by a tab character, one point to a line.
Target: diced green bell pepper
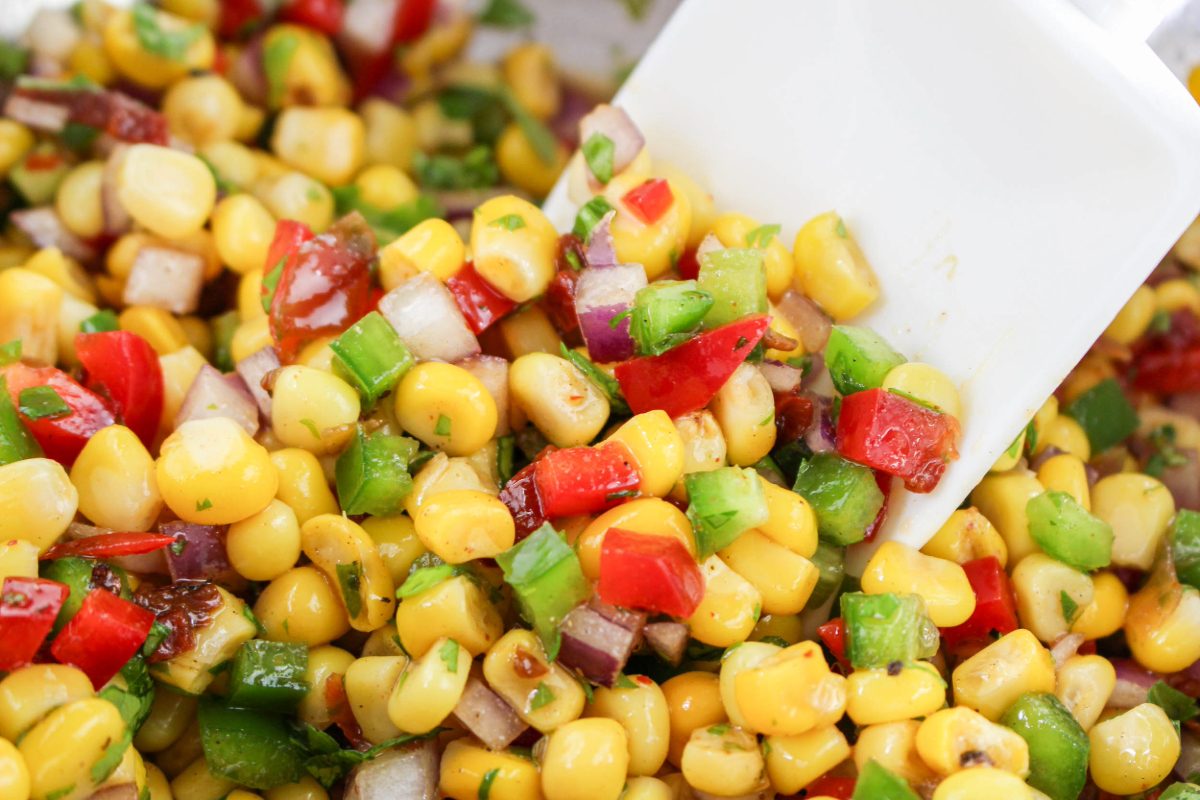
830	561
372	473
876	782
16	442
1185	546
76	575
1069	532
882	628
547	580
844	496
370	357
859	359
736	279
723	504
1058	745
223	328
268	675
1181	791
664	313
1104	413
255	748
38	186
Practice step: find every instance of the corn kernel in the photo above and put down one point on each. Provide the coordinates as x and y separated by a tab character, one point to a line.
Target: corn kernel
730	608
791	692
943	584
1040	583
37	502
114	475
203	109
967	536
992	679
1134	751
326	143
1139	509
242	231
514	245
29	305
875	696
1084	685
391	133
832	268
948	739
794	762
1002	500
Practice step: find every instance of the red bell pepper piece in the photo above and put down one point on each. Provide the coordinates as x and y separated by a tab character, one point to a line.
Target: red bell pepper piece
884	482
323	15
890	433
833	634
61	438
478	300
524	502
688	265
793	417
995	604
687	376
338	706
829	786
102	636
1168	371
559	301
650	200
126	367
586	480
109	545
28	607
653	573
237	17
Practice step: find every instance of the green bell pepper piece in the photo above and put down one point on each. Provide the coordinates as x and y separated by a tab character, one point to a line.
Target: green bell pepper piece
1069	532
16	442
371	357
1181	791
830	561
736	279
372	473
876	782
723	504
1185	546
1058	745
255	748
843	495
664	313
882	628
1104	413
547	580
859	359
268	675
76	575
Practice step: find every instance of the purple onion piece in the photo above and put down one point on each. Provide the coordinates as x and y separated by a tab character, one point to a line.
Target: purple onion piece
1184	480
598	640
1050	452
201	555
428	320
45	229
807	318
601	295
252	368
215	395
40	115
783	378
667	639
613	122
574	107
821	435
601	249
166	278
487	716
398	773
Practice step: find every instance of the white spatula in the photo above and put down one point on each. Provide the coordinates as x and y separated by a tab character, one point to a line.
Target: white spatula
1012	170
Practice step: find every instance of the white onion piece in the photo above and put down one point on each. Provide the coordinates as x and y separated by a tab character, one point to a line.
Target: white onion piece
613	122
709	244
487	715
1133	683
809	321
215	395
367	28
601	251
252	368
37	114
492	372
1189	754
52	34
162	277
116	219
45	229
783	378
146	563
398	773
600	296
428	321
1065	648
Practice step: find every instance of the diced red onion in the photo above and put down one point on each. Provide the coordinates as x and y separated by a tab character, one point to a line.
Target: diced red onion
162	277
783	378
1109	462
487	716
366	28
215	395
1184	480
1133	682
247	75
613	122
45	229
201	555
398	773
574	107
1066	647
116	219
1189	754
597	640
37	114
667	639
148	563
601	250
428	320
461	203
821	434
492	372
1050	452
121	791
252	368
809	321
600	296
52	34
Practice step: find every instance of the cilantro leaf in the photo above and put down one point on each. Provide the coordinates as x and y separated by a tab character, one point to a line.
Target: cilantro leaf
598	152
171	45
506	14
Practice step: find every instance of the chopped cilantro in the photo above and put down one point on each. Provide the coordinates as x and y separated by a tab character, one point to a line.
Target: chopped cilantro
509	222
350	581
1069	606
101	321
485	785
542	696
770	418
912	398
720	729
312	427
1179	706
598	152
449	655
623	682
171	45
443	426
762	235
277	59
506	14
10	352
425	578
841	228
42	402
204	506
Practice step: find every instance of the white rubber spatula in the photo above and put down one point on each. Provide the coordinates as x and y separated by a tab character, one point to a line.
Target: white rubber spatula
1012	171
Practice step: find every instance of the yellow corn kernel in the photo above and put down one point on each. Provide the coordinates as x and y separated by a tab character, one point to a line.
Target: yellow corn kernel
243	230
158	327
170	714
61	749
398	543
1084	685
443	474
15	141
1162	626
530	72
875	696
18	559
124	49
946	736
198	333
369	684
37	502
460	526
516	669
1133	319
333	542
967	536
197	783
734	230
656	246
745	656
1134	751
645	515
1002	500
981	783
522	165
925	383
234	162
644	714
89	59
29	306
703	209
157	784
391	133
1105	615
1177	294
120	257
312	77
326	143
212	473
294	195
250	337
585	759
456	608
432	246
894	746
693	702
78	200
1139	509
703	443
14	775
313	409
323	662
787	627
730	608
265	545
302	484
792	522
943	584
30	693
832	268
723	760
215	643
790	692
1040	583
249	295
1065	434
991	680
656	448
466	763
168	191
794	762
1009	458
1066	473
529	331
557	398
49	262
446	407
644	788
744	407
303	599
114	475
430	687
385	186
513	245
203	109
784	579
71	315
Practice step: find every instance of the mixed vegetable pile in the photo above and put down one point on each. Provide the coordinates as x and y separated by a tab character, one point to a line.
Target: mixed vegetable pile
330	468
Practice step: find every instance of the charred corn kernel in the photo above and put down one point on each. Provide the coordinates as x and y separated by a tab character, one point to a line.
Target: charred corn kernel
391	133
461	526
745	409
1134	751
323	662
584	760
730	608
170	714
198	333
1105	615
704	446
658	245
386	186
875	696
700	201
657	451
197	783
170	192
29	306
529	331
734	230
1040	583
647	515
784	579
563	404
790	692
992	679
249	296
1065	434
313	409
550	698
37	501
304	789
1177	294
429	688
302	484
18	559
466	763
157	326
1002	500
1133	319
114	475
234	162
446	407
1139	509
124	49
894	746
49	262
432	246
981	783
157	784
14	775
967	536
61	750
294	195
927	384
832	268
723	760
242	230
212	473
30	693
265	545
642	711
948	739
693	702
78	200
250	337
203	109
1084	685
456	608
794	762
217	642
513	245
522	166
443	474
397	541
15	141
301	606
943	584
1067	473
339	547
326	143
745	656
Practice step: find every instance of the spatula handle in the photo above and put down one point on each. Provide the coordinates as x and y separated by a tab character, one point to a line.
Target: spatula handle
1134	19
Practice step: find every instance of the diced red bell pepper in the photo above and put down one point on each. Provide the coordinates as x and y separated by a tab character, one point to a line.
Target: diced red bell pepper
884	482
323	15
650	200
524	502
109	545
652	573
338	706
888	432
478	300
1168	371
28	607
559	301
687	376
102	636
126	368
793	417
995	604
586	480
833	634
688	265
237	17
828	786
412	19
62	438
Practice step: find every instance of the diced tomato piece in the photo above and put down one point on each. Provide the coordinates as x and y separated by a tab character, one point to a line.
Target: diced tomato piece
524	502
833	634
995	605
688	265
1168	371
61	438
412	19
28	607
884	482
888	432
323	15
289	235
109	545
237	17
650	200
102	636
687	376
827	786
586	480
652	573
559	301
125	367
478	300
793	417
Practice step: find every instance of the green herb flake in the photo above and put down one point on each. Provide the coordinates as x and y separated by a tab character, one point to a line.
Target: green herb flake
485	785
269	282
10	352
542	696
312	427
778	641
841	228
158	632
912	398
425	578
598	152
769	419
587	689
350	581
178	546
13	61
277	60
443	426
204	505
42	402
506	14
623	682
602	380
761	236
589	214
719	729
1069	606
63	792
100	322
509	222
1179	706
111	759
574	261
171	45
449	656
